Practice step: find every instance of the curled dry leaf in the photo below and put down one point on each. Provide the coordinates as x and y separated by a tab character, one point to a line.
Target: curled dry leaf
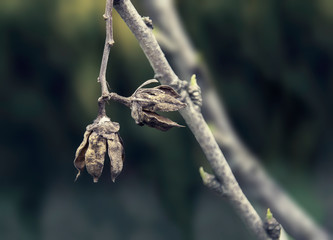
157	121
79	161
100	136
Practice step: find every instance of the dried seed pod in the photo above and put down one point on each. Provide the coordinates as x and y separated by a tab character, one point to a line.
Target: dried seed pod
116	155
91	153
95	155
161	98
103	125
146	101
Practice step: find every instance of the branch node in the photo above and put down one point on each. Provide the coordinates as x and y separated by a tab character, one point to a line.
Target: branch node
149	23
212	183
194	92
158	76
180	86
272	226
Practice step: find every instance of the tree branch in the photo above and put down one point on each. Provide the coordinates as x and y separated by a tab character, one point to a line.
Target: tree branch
107	46
193	118
245	166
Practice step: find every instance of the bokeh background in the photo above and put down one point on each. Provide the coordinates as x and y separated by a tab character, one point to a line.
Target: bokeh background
272	62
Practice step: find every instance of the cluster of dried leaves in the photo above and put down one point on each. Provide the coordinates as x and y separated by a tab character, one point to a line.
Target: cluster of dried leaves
103	134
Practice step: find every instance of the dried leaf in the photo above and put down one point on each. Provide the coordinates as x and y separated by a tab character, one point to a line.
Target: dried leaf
168	90
162	88
146	83
95	154
159	122
79	162
116	154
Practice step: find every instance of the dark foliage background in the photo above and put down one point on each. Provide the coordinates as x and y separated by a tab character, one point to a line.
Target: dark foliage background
272	61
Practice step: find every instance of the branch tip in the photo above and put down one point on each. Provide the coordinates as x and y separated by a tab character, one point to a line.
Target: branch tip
203	175
194	92
194	80
272	226
269	214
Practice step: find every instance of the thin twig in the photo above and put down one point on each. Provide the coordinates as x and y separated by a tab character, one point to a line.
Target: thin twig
192	117
297	222
107	46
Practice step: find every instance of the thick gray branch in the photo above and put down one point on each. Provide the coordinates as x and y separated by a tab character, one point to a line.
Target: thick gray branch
194	119
245	166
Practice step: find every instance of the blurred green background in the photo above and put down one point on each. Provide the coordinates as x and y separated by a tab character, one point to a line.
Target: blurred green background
273	62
